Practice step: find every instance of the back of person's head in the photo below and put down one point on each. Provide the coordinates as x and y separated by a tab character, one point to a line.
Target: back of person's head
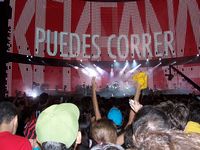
84	126
57	126
154	120
53	146
43	98
179	116
167	107
169	140
7	112
115	115
144	111
128	140
194	115
158	116
104	131
107	146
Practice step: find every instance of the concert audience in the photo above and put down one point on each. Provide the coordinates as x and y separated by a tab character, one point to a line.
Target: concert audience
146	122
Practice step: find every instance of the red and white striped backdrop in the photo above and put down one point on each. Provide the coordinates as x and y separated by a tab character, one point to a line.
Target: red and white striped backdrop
145	20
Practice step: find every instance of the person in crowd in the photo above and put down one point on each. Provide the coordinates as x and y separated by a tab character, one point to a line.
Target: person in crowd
135	107
84	126
149	119
104	131
179	116
168	140
57	127
127	138
107	146
114	113
29	129
177	112
8	127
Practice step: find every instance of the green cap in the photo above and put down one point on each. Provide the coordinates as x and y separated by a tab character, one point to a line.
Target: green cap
58	123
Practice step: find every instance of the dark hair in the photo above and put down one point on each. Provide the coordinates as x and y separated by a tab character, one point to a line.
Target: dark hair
167	107
128	139
179	116
84	127
7	112
107	146
169	140
194	115
53	146
153	120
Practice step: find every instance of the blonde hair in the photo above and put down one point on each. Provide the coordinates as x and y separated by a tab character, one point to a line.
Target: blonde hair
104	131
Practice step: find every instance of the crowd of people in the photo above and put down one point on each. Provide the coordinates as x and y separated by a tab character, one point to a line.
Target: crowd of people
141	122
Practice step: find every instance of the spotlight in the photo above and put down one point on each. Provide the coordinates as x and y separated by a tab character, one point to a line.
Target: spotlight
91	72
75	67
197	55
84	71
124	68
160	59
134	63
132	70
147	59
99	70
173	63
81	60
111	72
114	61
32	93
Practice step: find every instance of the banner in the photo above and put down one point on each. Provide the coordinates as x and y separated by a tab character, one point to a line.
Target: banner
102	31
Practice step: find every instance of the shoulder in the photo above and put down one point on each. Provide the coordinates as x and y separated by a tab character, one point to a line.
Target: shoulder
22	142
14	142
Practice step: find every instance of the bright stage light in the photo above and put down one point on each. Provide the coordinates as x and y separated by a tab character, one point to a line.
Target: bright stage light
173	63
116	64
128	74
32	93
99	70
111	72
75	67
132	70
122	71
134	64
89	72
151	70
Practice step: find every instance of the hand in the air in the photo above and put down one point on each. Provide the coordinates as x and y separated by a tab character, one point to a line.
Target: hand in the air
135	105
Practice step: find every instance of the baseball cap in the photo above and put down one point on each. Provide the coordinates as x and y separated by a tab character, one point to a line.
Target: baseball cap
58	123
115	115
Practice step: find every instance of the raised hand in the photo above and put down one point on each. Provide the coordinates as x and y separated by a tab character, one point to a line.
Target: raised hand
135	105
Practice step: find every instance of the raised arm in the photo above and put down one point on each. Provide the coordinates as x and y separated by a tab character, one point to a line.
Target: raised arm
94	100
135	105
